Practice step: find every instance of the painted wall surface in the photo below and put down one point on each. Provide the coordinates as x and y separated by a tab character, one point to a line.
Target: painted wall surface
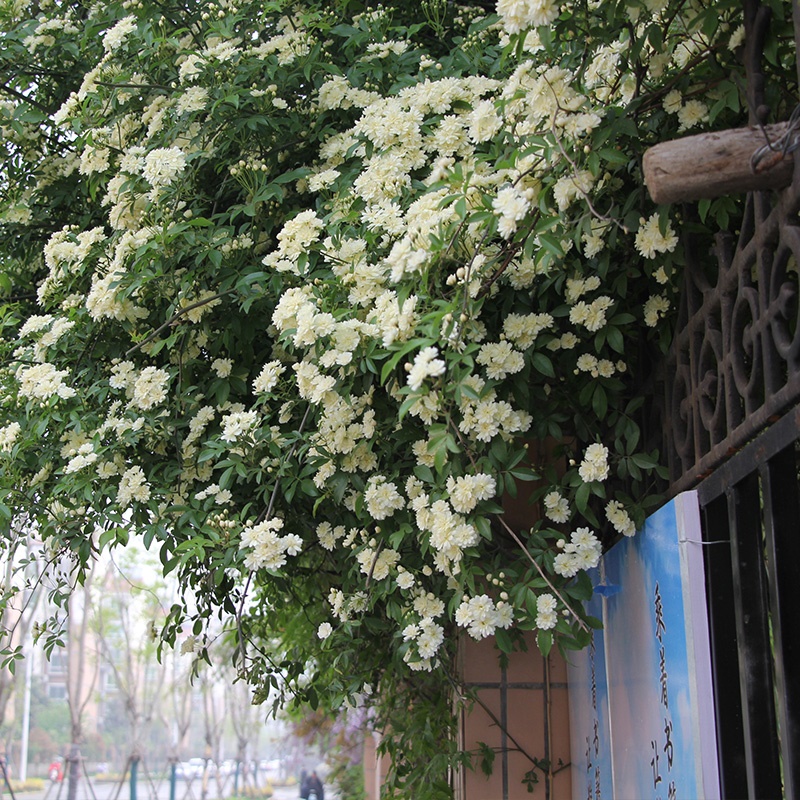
641	703
589	721
375	767
522	713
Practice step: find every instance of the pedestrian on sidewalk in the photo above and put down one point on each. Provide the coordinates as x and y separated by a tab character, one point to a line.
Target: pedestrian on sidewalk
303	785
315	789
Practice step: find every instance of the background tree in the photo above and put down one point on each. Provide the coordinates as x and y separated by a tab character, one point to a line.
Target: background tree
180	690
22	588
245	718
82	671
125	621
210	683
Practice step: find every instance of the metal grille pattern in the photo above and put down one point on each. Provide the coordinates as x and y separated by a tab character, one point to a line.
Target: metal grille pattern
735	362
735	365
732	425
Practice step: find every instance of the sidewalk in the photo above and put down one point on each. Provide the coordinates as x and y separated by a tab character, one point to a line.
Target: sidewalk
293	793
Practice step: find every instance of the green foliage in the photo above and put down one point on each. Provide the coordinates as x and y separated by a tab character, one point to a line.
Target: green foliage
350	781
304	294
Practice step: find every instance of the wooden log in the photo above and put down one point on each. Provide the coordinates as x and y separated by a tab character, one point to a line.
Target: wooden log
713	164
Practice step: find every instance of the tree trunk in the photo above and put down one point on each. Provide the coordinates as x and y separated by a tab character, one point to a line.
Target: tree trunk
80	682
74	766
714	164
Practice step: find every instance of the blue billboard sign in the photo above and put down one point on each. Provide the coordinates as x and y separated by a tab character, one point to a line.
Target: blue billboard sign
641	701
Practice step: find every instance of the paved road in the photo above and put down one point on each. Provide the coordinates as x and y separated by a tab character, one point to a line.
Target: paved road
155	790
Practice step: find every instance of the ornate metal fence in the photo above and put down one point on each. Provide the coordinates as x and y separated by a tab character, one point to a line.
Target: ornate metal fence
735	364
732	424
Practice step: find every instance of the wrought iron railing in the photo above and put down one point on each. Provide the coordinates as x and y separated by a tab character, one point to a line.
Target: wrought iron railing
735	363
731	422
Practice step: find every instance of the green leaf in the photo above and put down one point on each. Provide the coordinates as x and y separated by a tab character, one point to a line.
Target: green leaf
615	339
407	403
599	402
531	603
582	497
440	459
581	587
486	758
525	474
543	364
644	461
613	156
503	641
544	641
552	244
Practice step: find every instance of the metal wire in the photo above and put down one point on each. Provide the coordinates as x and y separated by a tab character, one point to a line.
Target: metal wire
773	152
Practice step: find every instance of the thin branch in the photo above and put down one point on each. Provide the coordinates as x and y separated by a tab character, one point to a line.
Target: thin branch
112	85
20	96
495	719
464	445
467	276
592	209
509	257
549	716
378	551
177	315
542	573
266	515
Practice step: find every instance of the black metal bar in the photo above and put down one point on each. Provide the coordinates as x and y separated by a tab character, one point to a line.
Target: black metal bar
724	653
547	754
757	18
504	729
782	539
751	606
753	455
796	21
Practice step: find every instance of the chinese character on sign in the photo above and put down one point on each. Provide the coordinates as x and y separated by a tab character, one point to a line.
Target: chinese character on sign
669	749
654	764
662	657
660	626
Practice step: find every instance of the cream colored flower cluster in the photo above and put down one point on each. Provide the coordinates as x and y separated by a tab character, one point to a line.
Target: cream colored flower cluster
133	486
145	388
422	632
8	435
546	616
583	551
650	240
396	285
594	466
489	416
266	548
44	382
619	518
481	616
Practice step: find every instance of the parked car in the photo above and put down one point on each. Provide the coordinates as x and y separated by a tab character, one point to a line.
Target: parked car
227	767
269	769
193	768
